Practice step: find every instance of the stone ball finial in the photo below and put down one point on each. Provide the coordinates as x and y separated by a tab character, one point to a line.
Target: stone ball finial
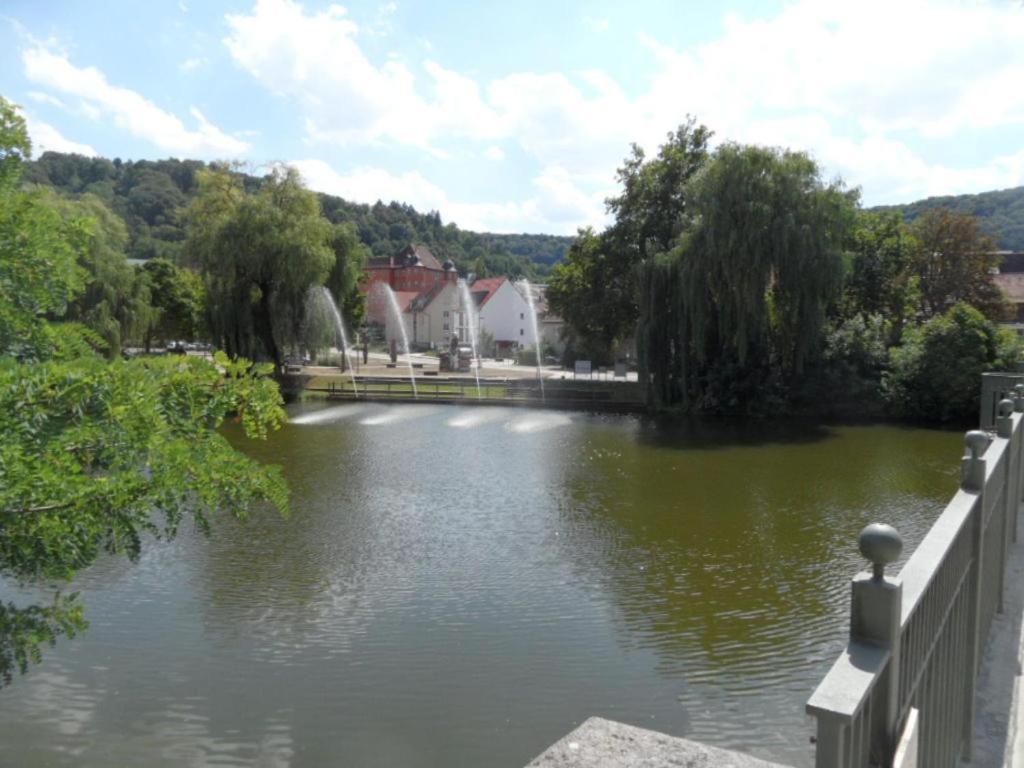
881	544
1005	407
976	442
1019	389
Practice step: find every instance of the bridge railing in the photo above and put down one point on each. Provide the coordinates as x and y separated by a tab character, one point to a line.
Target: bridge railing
910	668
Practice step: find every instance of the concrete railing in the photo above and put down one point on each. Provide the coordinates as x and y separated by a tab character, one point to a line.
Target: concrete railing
995	387
902	693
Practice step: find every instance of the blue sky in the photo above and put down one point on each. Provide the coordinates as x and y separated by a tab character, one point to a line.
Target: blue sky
514	116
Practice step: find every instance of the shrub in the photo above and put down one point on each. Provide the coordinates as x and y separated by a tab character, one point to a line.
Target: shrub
935	374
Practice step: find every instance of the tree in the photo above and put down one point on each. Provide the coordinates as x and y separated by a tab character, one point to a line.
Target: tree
653	209
115	302
880	280
589	294
740	303
259	255
350	256
954	263
95	454
933	375
176	294
595	289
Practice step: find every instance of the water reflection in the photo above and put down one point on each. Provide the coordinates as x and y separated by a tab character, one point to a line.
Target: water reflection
462	586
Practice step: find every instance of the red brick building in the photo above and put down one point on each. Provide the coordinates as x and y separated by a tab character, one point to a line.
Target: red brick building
414	271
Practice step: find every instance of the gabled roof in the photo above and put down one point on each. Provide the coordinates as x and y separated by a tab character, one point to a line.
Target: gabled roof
405	299
483	289
426	298
412	255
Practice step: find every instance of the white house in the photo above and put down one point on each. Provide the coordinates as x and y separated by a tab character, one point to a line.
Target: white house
504	313
431	317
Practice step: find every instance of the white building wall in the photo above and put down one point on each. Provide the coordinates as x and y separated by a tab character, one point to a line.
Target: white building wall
506	316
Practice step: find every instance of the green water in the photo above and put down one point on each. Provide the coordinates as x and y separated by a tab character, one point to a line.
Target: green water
461	587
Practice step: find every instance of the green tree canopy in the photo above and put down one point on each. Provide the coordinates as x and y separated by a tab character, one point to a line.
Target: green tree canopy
259	255
115	302
595	288
935	374
94	455
954	262
742	299
350	256
176	295
880	281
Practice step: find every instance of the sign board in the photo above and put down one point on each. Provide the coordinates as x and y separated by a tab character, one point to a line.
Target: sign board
582	368
620	370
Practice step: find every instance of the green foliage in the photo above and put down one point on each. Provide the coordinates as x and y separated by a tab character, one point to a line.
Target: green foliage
653	209
1000	213
595	289
880	279
594	296
747	287
96	455
934	374
259	256
152	197
177	300
115	302
350	256
846	380
953	262
39	271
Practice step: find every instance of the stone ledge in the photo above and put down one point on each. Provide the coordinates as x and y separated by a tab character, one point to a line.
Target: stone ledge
600	743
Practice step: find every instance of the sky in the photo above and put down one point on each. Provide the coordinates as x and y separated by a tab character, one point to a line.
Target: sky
514	116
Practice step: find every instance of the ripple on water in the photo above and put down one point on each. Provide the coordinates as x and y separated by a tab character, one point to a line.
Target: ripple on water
328	415
538	422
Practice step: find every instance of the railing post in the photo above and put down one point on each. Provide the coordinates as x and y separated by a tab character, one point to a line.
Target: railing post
972	480
875	619
1004	429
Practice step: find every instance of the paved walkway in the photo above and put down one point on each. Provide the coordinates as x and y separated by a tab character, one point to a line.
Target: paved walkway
999	723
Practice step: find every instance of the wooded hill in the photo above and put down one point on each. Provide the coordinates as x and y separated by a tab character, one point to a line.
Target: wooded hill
151	195
1000	213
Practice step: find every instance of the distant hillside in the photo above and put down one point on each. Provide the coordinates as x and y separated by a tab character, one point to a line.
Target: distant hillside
151	195
1001	213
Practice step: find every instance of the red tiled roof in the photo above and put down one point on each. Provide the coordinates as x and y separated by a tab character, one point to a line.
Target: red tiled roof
487	286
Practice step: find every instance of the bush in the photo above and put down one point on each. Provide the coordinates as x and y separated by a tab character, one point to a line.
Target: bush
935	374
846	380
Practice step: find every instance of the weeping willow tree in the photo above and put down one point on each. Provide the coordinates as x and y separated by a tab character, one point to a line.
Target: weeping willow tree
259	256
738	305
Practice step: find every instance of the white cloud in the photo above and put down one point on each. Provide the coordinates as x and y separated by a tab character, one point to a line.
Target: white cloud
558	206
46	138
46	98
595	24
190	65
129	110
865	87
495	153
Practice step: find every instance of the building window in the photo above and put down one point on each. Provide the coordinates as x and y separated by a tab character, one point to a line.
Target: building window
521	317
520	331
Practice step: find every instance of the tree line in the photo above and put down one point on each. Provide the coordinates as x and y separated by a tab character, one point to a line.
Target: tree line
152	197
750	284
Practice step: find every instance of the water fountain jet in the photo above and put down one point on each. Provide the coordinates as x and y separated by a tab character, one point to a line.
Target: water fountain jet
396	316
468	308
339	326
536	336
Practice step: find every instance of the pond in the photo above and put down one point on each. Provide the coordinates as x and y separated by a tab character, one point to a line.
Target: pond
463	586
